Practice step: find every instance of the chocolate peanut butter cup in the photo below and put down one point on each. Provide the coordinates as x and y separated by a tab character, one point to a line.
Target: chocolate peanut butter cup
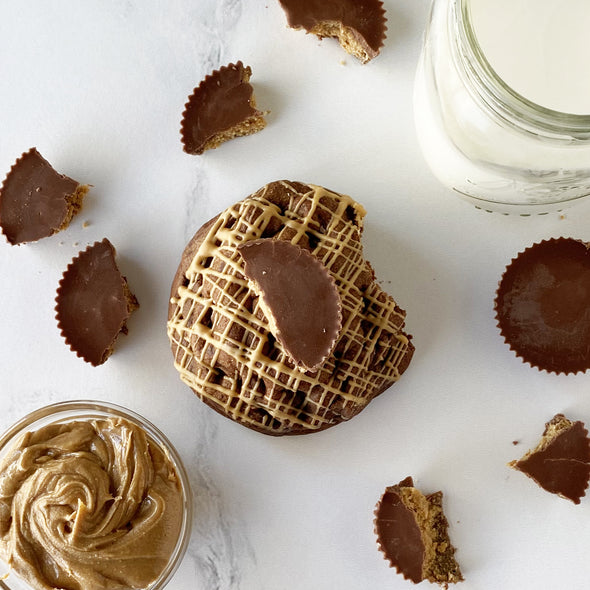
411	531
36	201
543	305
359	25
299	296
93	303
560	463
220	108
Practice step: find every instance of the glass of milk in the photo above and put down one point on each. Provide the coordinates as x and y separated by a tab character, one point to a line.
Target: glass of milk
502	101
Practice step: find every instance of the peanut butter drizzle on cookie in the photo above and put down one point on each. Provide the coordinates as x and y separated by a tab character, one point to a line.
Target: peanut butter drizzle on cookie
217	318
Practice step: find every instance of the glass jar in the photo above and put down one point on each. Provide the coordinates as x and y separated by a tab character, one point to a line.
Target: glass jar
481	138
14	443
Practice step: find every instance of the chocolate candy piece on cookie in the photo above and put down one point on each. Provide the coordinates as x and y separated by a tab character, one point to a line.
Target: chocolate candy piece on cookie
227	341
298	296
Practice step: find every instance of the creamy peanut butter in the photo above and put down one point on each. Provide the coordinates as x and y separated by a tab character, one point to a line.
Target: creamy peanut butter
88	505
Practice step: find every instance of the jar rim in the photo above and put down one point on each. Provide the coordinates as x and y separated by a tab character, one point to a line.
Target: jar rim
499	97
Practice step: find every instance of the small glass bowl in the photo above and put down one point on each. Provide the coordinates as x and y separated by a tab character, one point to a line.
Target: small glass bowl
82	410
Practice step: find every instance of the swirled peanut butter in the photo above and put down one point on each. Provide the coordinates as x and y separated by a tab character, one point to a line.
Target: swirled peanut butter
90	504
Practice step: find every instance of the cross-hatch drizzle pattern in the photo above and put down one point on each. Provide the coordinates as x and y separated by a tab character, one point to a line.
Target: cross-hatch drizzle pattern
221	339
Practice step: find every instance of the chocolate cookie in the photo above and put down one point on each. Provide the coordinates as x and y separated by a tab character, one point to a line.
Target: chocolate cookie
225	331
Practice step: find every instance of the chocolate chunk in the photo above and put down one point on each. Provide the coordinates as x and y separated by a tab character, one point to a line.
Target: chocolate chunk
411	531
300	297
221	107
560	463
36	201
359	25
94	303
543	305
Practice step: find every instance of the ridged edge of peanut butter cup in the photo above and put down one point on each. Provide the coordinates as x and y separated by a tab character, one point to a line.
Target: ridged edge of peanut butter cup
93	303
542	305
222	107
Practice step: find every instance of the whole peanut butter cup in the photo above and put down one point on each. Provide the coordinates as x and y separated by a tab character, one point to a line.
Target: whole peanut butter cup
36	201
543	305
93	303
359	25
220	108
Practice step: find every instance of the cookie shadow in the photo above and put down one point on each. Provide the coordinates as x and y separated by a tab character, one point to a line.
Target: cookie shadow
409	276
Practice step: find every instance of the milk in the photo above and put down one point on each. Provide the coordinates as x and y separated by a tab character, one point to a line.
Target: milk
499	159
541	48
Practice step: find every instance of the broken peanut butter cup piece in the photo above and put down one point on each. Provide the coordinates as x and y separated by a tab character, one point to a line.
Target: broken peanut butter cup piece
359	25
94	303
220	108
543	305
411	531
36	201
560	463
300	299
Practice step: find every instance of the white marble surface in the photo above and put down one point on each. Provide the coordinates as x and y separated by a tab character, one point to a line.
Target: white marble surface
99	86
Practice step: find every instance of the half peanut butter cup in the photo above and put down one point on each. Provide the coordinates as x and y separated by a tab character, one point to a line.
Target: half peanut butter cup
36	201
220	108
300	299
560	463
411	531
359	25
94	303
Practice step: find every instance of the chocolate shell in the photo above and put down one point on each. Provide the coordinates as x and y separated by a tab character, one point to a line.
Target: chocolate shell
301	299
411	531
220	108
560	463
94	303
359	25
36	201
543	305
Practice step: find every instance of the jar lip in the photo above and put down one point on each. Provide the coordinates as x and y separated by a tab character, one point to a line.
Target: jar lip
86	409
501	98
